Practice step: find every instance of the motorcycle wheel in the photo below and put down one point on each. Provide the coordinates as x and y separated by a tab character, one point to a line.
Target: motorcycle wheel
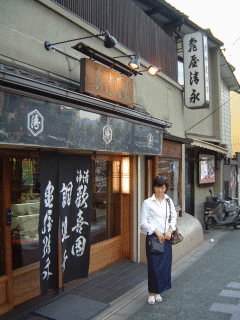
205	223
210	223
236	224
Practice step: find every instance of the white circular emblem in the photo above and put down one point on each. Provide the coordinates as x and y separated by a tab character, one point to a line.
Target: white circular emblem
35	122
150	140
107	134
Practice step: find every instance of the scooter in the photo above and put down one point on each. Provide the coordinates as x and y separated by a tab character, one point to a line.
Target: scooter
228	207
223	213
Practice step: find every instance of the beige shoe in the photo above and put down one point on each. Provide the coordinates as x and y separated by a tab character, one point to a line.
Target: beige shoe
158	298
151	299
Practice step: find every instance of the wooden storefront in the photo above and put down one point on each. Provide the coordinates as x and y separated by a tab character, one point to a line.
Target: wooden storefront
111	241
46	119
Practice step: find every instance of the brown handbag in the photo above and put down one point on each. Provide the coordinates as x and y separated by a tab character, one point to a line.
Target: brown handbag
176	235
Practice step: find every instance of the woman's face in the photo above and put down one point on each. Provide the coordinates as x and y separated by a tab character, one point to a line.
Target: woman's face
159	191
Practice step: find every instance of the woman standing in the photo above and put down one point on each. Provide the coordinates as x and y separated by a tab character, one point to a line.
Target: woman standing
155	219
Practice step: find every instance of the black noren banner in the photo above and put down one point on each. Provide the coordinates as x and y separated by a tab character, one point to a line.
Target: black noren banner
48	221
75	207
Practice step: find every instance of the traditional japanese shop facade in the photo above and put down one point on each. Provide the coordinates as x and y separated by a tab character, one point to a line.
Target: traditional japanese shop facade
79	147
40	135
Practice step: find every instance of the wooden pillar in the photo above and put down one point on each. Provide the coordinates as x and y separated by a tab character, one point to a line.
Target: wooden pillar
180	187
155	167
8	246
126	225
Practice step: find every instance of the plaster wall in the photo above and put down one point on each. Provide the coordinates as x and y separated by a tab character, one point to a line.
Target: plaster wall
162	100
216	93
27	24
226	117
205	122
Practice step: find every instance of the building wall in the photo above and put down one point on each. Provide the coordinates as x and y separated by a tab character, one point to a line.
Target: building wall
226	117
24	44
216	93
131	27
209	127
162	99
235	112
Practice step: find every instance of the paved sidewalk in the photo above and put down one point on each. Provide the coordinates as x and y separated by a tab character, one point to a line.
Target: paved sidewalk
200	283
206	278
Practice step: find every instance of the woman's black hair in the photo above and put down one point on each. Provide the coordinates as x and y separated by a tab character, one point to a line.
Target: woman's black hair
159	181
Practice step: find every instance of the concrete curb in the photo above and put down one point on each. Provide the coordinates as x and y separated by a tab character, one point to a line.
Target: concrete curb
122	301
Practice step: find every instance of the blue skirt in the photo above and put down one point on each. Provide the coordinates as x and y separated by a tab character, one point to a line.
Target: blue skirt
159	268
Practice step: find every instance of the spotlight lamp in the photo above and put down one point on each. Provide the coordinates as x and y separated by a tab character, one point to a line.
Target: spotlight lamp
134	63
152	70
109	41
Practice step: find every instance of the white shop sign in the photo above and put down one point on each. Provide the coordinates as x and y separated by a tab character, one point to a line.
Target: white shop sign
196	71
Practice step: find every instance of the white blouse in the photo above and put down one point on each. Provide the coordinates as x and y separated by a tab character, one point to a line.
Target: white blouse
153	215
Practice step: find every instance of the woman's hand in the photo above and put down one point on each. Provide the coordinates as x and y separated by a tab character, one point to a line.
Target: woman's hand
160	236
168	234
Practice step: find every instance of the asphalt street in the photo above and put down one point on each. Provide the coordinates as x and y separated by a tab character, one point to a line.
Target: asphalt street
208	289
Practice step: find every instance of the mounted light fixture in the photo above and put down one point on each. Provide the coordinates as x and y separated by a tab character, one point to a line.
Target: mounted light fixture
135	64
152	70
105	60
125	175
109	41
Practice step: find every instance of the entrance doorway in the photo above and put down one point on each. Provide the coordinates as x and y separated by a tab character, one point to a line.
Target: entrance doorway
19	242
2	249
149	176
110	228
189	187
106	211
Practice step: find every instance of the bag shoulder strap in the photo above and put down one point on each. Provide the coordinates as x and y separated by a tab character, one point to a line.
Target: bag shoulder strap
170	215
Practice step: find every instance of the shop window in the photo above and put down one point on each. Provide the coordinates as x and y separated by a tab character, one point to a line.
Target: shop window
116	176
25	204
106	201
180	73
170	169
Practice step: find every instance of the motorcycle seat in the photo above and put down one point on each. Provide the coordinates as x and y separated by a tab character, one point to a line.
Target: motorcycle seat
227	220
230	209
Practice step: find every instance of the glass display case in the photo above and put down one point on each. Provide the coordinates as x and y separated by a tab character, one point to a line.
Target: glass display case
106	201
25	220
25	206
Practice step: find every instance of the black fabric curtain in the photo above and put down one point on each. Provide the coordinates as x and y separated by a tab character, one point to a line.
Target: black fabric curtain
69	195
48	221
75	215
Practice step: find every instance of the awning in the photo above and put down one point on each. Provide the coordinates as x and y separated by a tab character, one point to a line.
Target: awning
227	74
209	146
